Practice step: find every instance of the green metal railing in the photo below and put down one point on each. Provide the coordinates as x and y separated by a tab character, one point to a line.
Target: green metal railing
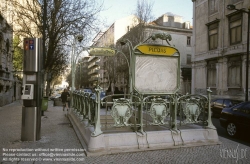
170	111
153	98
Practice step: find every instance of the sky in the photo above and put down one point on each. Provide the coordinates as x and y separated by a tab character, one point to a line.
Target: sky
116	9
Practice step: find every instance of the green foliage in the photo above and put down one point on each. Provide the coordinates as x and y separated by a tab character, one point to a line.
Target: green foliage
18	54
57	80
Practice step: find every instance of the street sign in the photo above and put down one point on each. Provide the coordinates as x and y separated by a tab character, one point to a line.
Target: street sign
29	45
157	66
157	50
99	51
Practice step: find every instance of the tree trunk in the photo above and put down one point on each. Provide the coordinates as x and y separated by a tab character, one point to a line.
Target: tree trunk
44	84
48	88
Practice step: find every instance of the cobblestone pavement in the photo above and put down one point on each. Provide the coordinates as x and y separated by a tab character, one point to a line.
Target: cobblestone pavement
56	132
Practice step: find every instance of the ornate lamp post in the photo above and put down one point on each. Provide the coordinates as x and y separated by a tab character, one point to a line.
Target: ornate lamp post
130	46
79	38
232	7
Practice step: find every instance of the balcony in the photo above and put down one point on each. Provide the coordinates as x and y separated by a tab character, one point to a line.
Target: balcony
92	72
93	79
93	64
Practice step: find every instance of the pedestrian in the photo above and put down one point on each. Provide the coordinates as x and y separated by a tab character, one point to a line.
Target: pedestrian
65	96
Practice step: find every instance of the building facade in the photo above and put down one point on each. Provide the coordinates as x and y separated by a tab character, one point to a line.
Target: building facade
8	87
102	73
181	33
85	73
220	45
10	79
94	70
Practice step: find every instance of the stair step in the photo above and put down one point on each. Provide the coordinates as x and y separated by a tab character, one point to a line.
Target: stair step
107	122
112	129
106	117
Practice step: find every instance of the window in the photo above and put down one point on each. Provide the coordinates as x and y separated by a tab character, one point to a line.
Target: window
211	73
234	72
213	35
235	28
188	40
188	59
213	7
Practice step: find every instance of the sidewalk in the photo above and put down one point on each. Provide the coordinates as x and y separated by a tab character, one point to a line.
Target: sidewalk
56	131
57	136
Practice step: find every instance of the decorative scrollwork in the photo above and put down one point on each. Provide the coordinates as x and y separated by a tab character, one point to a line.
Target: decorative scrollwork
192	106
158	111
121	112
163	36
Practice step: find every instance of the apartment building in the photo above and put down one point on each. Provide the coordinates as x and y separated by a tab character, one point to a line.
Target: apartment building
181	33
108	38
85	73
220	46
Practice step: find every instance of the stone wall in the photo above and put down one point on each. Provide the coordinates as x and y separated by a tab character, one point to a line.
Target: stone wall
6	62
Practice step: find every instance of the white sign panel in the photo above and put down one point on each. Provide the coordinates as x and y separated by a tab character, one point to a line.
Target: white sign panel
154	74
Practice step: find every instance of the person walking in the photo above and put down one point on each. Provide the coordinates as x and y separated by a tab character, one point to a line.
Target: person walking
65	99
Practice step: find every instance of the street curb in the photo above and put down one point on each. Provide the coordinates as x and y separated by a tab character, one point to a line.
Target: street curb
77	131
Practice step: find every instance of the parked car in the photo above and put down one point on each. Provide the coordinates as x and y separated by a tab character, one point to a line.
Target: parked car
87	90
236	118
102	94
218	104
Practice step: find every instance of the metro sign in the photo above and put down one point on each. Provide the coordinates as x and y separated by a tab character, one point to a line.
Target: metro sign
29	45
99	51
157	50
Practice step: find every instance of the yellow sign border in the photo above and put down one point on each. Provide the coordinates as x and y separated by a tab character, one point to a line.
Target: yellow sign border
157	50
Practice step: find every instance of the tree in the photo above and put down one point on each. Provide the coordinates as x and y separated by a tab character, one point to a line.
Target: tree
18	54
136	35
69	78
59	21
57	80
144	14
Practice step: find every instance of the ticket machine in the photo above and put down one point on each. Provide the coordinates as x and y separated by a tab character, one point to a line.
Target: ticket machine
32	89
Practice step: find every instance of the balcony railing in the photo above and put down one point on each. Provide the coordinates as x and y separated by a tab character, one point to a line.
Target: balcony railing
93	72
94	64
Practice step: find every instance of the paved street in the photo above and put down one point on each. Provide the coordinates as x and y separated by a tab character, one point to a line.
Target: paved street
57	135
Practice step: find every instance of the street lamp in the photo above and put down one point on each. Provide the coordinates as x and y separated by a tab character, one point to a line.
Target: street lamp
79	38
130	46
232	7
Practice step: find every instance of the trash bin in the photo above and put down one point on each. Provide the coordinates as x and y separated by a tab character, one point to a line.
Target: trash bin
45	103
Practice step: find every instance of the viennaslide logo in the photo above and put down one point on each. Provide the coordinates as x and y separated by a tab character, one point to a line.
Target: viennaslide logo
235	153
